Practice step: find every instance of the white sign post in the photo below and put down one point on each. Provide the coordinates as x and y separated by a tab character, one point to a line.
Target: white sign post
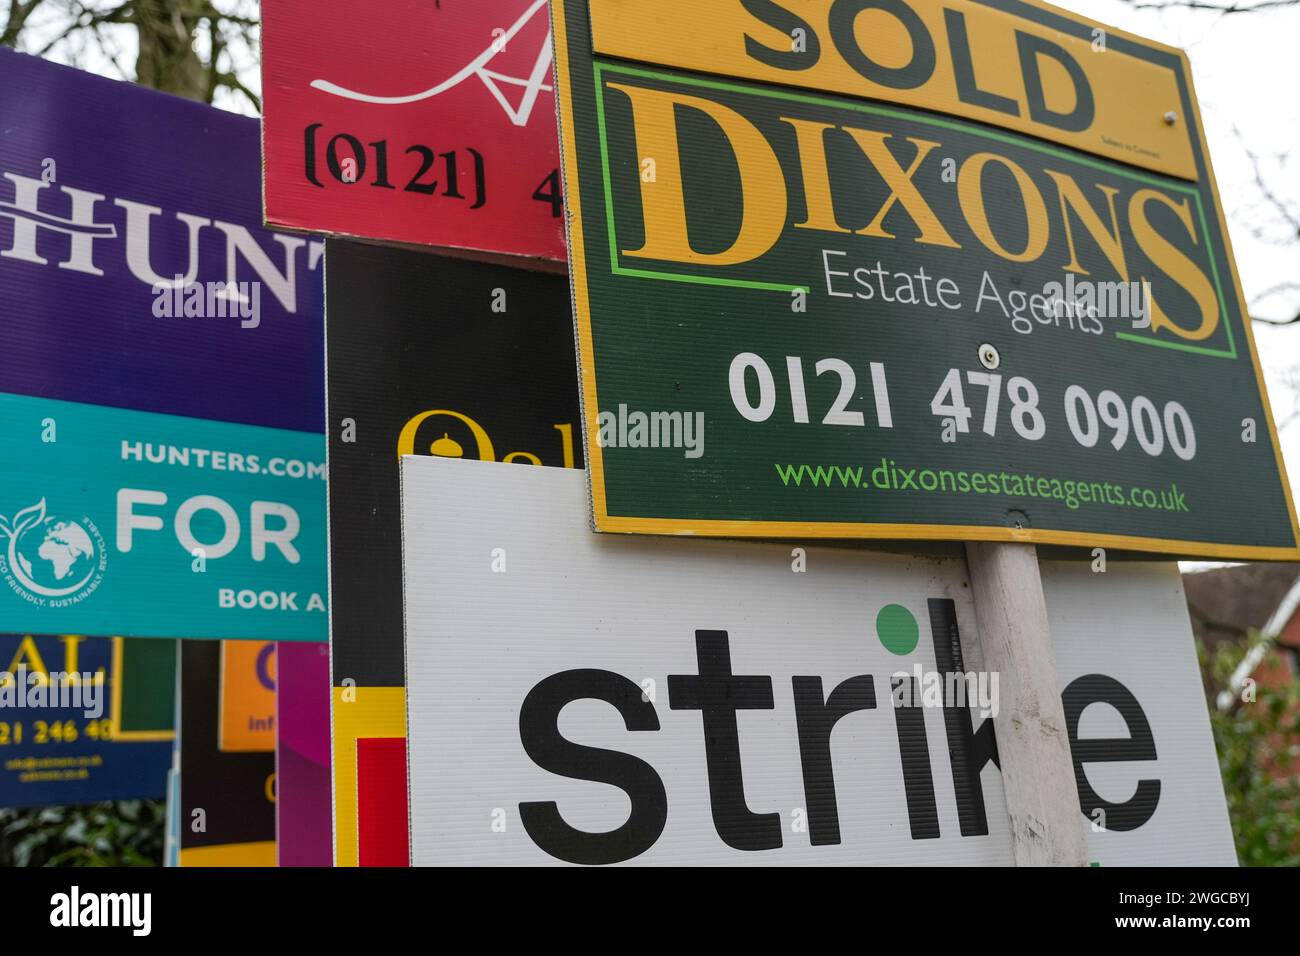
1037	769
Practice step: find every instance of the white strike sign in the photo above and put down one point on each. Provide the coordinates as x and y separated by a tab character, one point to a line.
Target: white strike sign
597	699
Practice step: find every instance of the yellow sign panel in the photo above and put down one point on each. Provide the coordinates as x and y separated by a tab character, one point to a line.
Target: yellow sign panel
959	57
358	712
229	854
247	696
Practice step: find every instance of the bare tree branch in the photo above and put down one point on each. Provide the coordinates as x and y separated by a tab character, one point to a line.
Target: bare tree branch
110	51
1280	206
194	48
1263	321
86	19
18	14
1210	6
1288	286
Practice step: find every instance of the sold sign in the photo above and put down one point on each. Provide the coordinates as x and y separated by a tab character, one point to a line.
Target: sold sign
910	269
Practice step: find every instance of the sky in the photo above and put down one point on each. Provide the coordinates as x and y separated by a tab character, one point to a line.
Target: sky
1244	69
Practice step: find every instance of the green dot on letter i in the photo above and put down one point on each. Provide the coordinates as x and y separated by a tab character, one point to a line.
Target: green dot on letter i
897	630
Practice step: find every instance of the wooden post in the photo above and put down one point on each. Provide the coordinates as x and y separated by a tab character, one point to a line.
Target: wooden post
1047	827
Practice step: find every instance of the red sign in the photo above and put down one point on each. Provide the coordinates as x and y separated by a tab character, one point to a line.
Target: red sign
430	122
383	831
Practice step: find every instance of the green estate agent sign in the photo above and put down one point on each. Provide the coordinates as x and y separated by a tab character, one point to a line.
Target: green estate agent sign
906	269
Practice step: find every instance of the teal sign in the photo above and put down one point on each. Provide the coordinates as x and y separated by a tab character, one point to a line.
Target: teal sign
147	525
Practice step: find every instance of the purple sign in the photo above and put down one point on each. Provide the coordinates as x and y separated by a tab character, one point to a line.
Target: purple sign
134	269
161	375
302	755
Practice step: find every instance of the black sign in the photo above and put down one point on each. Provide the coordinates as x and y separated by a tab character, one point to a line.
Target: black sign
227	798
428	355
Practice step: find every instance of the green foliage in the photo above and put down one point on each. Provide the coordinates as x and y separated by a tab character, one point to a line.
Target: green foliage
126	833
1259	757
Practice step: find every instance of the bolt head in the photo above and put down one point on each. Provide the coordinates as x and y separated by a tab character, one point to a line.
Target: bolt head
989	357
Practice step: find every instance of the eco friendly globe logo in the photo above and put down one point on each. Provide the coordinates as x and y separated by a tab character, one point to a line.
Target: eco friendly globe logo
51	556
